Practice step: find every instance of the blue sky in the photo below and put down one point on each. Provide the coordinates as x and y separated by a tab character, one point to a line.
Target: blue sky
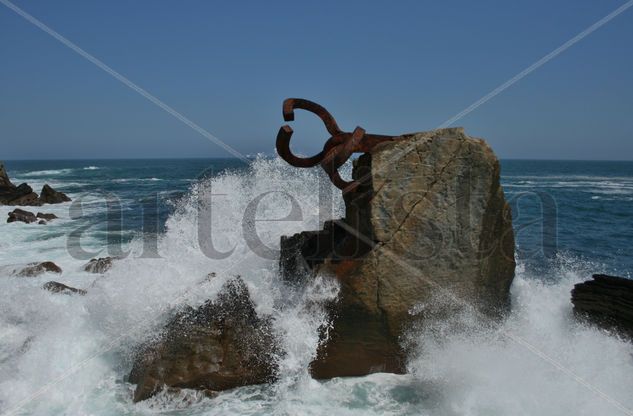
390	67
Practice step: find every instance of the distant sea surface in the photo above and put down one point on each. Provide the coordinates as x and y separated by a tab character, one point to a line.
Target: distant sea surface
582	208
571	219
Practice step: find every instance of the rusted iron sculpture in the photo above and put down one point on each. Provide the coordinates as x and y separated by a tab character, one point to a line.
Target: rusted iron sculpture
337	149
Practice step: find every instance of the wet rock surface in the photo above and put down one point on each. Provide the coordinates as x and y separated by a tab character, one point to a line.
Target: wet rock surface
51	196
23	195
57	287
100	265
430	217
28	217
37	269
20	215
221	345
606	301
46	217
18	195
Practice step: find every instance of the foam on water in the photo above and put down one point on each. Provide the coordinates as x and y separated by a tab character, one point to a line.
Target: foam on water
70	354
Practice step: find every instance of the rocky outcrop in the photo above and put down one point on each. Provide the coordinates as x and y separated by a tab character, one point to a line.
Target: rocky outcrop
28	217
606	301
5	182
18	195
51	196
220	345
37	269
100	265
20	215
23	194
46	217
57	287
429	219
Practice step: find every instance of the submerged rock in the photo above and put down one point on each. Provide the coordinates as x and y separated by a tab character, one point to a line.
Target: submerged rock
221	345
100	265
429	219
36	269
57	287
51	196
606	301
20	215
46	217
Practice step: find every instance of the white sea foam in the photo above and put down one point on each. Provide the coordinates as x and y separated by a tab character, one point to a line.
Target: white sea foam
51	172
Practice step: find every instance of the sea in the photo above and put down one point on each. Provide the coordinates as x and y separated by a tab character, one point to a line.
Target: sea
172	222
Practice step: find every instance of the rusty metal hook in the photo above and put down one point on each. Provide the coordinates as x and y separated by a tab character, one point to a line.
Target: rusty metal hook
337	149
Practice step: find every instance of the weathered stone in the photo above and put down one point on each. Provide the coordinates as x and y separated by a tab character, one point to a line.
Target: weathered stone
21	216
430	218
16	195
606	301
36	269
100	265
19	195
57	287
220	345
51	196
46	217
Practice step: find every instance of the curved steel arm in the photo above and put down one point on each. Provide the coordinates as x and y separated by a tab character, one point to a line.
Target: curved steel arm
337	149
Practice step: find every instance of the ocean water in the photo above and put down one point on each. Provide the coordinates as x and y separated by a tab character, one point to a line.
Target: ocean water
70	355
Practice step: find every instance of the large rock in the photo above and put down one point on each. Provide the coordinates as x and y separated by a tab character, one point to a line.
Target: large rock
18	195
51	196
220	345
429	220
607	301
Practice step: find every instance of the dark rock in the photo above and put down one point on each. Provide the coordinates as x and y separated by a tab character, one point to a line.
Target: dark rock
16	195
36	269
302	252
606	301
100	265
430	217
221	345
57	287
51	196
46	217
5	182
22	216
19	195
42	222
